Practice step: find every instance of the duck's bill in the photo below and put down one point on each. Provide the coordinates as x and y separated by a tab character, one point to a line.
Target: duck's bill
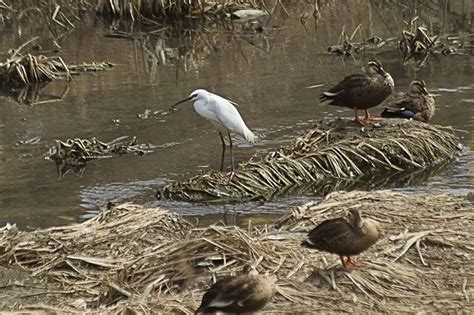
382	71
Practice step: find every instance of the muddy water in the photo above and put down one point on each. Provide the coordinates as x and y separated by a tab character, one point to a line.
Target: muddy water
266	73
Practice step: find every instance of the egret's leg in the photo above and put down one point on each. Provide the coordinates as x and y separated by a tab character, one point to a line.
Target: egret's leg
231	151
223	151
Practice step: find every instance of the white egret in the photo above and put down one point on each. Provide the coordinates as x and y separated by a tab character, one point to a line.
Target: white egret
222	115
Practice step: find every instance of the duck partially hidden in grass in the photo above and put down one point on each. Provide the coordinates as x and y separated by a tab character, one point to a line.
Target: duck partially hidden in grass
344	237
361	91
246	293
417	104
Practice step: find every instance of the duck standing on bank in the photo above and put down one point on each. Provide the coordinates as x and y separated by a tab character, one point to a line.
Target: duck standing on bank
417	104
361	91
246	293
344	237
222	115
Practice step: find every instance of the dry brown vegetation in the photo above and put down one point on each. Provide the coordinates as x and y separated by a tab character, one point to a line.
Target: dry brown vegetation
138	259
75	153
331	149
23	68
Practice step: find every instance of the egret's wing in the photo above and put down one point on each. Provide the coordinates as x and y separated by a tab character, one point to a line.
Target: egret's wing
227	114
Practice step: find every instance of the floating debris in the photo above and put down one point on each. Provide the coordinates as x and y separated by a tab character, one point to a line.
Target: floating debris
248	14
345	46
75	153
330	150
156	114
417	41
32	141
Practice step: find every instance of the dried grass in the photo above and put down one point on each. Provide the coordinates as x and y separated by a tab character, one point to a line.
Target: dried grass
173	8
330	150
73	154
149	260
23	69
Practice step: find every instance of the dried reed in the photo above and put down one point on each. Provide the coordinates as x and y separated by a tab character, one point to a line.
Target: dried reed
23	69
75	153
329	150
149	260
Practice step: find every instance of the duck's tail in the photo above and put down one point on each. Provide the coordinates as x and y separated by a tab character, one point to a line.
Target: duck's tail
397	113
326	98
307	243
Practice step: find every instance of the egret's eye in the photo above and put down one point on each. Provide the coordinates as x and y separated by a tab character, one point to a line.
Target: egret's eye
194	95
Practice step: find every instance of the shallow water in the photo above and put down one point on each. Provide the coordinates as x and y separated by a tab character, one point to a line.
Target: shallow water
266	73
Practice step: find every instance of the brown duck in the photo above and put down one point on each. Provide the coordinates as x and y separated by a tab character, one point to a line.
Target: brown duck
344	237
246	293
417	104
361	91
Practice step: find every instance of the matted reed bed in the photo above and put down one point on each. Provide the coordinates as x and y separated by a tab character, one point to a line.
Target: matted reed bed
148	260
23	68
330	150
174	8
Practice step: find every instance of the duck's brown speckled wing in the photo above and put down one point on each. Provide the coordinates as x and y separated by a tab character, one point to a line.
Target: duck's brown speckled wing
329	234
413	106
226	295
414	103
342	93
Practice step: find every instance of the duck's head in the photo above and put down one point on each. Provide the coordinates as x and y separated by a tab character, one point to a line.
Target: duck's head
418	86
250	269
196	95
356	220
375	67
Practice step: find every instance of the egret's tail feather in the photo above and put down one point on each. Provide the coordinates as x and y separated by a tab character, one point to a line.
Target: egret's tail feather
250	136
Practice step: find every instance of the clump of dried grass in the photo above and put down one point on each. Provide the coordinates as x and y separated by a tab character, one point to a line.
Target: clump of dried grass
23	69
82	256
330	150
75	153
149	260
173	8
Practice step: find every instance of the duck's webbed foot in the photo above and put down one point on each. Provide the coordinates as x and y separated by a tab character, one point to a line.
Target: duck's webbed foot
351	264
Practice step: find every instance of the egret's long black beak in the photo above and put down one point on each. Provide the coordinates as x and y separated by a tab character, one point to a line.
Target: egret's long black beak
180	102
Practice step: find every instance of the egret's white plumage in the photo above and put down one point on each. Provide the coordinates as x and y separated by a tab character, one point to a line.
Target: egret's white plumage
222	115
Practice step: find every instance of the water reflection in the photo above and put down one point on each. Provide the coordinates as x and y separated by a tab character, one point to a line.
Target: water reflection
265	70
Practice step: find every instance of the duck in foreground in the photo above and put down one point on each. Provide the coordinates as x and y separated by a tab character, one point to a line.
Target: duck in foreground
344	237
417	104
245	293
361	91
222	115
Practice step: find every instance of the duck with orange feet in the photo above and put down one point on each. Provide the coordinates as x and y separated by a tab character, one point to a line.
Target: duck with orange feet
345	237
361	91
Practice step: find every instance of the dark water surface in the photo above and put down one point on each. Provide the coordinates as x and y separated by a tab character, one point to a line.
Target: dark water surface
266	73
